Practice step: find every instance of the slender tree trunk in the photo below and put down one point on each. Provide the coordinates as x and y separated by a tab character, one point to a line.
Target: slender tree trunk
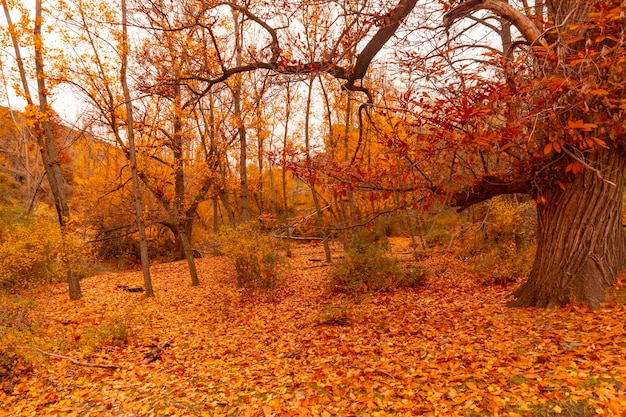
241	129
260	155
346	156
188	250
316	202
284	153
45	138
132	154
581	246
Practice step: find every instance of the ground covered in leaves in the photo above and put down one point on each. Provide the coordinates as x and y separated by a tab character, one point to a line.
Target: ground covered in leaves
449	348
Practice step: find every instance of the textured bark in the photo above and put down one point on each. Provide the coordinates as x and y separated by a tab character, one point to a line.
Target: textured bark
581	246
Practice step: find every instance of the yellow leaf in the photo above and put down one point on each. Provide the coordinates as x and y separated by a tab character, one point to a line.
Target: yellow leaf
557	409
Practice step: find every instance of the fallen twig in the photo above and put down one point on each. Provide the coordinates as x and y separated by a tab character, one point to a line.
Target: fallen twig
155	353
74	361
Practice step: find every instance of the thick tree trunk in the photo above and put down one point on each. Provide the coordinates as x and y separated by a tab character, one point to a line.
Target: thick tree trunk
581	247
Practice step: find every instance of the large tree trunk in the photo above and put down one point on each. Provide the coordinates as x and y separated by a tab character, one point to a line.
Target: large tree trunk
581	247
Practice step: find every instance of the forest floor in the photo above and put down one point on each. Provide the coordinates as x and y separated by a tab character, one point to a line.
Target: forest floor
449	348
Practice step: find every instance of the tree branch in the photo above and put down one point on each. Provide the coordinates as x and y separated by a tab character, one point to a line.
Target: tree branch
523	23
74	361
487	188
391	23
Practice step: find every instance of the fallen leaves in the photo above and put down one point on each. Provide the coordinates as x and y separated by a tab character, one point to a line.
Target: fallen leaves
452	348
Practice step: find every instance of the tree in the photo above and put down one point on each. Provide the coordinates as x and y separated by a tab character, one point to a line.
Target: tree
573	87
548	125
96	79
540	116
39	116
132	154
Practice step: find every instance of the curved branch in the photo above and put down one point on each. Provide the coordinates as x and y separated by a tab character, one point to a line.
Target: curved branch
523	23
487	188
391	24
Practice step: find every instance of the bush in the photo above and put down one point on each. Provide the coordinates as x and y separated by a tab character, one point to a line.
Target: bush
503	265
366	268
15	327
115	331
32	252
331	315
257	265
513	223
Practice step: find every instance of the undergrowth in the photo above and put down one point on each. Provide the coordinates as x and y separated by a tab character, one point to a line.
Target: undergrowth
367	267
257	264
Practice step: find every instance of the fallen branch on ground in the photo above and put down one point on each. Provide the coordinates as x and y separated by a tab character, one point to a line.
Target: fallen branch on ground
155	353
74	361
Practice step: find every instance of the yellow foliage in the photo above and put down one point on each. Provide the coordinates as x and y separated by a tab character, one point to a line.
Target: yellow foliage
256	262
32	252
509	215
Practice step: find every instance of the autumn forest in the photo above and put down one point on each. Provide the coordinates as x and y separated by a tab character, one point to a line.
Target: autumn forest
329	207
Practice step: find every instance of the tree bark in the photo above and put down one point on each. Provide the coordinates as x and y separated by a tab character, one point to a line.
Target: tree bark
581	248
240	118
132	159
316	202
45	137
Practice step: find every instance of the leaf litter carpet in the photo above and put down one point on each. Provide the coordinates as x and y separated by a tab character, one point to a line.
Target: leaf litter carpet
449	348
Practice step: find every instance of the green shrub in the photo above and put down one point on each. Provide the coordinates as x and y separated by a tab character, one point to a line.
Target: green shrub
366	268
257	265
115	331
331	315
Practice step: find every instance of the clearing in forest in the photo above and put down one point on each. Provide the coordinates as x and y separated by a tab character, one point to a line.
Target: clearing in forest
449	348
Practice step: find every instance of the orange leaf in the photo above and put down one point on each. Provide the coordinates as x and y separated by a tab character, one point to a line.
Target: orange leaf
574	167
600	143
598	92
580	124
547	149
471	386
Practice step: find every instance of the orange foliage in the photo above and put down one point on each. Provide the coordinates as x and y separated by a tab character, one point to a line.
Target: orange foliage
452	348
